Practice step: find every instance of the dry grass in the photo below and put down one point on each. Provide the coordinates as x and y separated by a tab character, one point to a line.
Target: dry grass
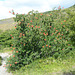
7	24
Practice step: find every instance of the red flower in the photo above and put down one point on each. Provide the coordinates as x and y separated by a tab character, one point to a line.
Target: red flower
68	44
55	32
20	23
56	37
22	14
22	19
43	46
59	7
12	44
64	20
52	33
16	51
61	34
54	28
31	21
54	40
63	7
43	33
49	46
44	39
15	27
47	33
13	55
62	49
19	36
13	48
47	14
15	62
60	37
36	26
20	33
23	34
12	37
41	14
32	25
50	14
50	26
61	23
10	64
28	23
8	61
9	11
29	26
24	44
13	13
36	17
46	45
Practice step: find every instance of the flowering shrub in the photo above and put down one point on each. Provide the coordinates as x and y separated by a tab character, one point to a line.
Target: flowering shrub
37	36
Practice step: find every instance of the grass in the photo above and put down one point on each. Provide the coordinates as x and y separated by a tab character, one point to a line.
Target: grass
7	24
6	50
48	66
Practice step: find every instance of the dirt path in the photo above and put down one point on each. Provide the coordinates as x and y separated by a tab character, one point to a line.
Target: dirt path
3	71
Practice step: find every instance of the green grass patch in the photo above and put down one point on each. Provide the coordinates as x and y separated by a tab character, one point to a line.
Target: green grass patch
49	66
5	50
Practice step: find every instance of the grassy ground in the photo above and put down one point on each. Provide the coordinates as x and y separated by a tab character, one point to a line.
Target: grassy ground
49	66
6	50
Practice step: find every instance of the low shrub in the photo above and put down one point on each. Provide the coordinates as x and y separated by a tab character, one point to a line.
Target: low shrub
37	37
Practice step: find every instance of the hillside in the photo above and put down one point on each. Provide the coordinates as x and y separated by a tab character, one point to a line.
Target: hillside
7	24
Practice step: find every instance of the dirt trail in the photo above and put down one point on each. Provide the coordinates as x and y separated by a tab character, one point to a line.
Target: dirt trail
3	71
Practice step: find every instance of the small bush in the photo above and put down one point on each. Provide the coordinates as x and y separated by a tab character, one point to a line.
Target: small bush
37	37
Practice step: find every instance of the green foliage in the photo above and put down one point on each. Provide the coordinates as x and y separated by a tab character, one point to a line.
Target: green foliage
71	25
38	37
0	60
5	38
49	66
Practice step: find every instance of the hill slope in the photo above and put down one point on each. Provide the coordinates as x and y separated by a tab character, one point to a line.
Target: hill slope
7	24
